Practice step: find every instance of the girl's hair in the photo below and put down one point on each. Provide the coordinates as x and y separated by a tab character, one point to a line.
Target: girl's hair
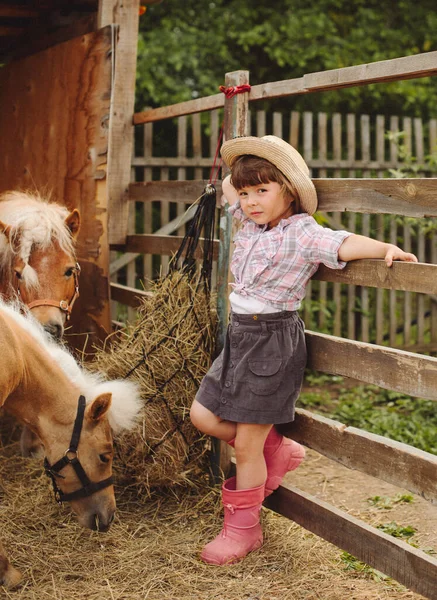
249	170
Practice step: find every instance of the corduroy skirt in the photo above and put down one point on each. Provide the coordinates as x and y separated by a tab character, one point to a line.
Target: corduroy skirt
258	376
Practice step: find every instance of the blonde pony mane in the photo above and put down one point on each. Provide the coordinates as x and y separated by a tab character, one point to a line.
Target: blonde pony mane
126	399
35	223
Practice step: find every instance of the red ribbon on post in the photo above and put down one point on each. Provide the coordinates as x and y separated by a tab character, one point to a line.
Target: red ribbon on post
232	91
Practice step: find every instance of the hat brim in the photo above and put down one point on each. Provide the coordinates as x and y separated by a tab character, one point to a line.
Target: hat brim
287	159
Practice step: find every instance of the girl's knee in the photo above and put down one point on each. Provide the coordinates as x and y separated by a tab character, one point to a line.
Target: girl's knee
201	417
195	414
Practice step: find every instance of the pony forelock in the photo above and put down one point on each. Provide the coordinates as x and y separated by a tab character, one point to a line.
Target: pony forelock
34	223
30	277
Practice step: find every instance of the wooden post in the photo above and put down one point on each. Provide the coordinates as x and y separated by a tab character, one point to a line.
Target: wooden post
125	15
235	124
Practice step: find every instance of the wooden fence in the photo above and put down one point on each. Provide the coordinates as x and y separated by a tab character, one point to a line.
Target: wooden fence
333	146
389	368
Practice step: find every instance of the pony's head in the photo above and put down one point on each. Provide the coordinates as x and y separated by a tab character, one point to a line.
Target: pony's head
37	257
76	421
82	465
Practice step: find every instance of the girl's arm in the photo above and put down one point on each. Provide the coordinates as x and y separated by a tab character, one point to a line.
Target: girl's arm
230	194
359	246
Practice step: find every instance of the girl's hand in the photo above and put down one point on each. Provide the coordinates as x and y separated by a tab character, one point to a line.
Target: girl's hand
395	253
230	194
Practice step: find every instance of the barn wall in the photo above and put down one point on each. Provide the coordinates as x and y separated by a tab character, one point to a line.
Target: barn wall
54	121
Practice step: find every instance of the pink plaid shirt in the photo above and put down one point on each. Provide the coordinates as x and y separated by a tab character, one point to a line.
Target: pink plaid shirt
274	266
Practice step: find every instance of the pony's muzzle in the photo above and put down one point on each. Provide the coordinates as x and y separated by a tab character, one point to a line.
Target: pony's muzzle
103	526
96	516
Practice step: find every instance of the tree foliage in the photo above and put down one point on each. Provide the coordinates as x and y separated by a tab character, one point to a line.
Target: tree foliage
187	46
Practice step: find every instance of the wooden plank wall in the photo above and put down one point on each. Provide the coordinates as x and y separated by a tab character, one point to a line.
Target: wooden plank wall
54	138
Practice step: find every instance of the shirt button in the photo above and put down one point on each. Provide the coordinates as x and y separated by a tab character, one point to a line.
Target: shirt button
237	324
224	400
231	365
228	384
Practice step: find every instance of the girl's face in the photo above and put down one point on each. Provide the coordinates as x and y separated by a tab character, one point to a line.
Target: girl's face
265	204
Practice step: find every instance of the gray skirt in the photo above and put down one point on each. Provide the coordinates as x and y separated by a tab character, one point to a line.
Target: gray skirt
258	375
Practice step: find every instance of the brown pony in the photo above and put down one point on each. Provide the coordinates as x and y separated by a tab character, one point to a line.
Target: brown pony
37	258
73	412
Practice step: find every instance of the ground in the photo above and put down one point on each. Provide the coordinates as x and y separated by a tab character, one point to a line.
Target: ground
354	492
152	550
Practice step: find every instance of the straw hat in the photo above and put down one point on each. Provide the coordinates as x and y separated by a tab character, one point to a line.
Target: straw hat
286	158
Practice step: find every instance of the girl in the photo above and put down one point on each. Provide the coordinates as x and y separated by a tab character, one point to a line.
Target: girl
255	381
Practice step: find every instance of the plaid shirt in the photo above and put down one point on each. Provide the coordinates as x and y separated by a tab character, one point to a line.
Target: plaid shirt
274	266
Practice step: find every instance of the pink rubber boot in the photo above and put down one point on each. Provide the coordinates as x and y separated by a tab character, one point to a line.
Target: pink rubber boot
281	455
241	531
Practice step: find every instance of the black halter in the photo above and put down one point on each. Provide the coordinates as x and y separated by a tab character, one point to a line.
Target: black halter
71	458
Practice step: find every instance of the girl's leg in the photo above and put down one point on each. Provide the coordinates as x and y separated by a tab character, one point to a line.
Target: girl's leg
207	422
249	454
242	498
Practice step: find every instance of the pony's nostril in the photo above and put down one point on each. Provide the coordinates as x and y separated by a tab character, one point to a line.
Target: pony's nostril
98	523
55	330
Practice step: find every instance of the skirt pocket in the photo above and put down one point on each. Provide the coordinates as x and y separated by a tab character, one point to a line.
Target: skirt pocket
265	375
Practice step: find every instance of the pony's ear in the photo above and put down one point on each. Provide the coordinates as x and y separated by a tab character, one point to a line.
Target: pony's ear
98	407
72	222
6	229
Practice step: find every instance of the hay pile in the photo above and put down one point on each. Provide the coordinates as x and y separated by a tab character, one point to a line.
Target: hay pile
151	551
168	351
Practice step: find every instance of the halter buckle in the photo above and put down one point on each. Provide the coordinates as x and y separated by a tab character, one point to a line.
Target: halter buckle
74	453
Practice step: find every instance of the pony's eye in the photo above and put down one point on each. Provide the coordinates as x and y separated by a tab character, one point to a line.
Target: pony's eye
69	272
105	458
18	274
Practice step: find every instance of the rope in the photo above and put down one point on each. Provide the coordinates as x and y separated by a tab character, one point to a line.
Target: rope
232	91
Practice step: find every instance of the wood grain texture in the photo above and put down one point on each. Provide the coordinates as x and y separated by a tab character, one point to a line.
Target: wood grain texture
53	126
406	372
412	277
124	17
378	456
408	197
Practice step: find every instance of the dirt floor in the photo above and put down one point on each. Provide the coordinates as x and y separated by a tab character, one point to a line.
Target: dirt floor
371	500
353	492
